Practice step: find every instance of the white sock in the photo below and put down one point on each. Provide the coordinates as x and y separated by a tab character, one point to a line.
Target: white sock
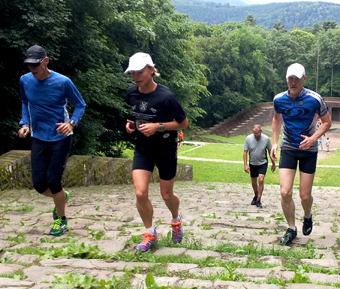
293	228
175	220
151	230
308	217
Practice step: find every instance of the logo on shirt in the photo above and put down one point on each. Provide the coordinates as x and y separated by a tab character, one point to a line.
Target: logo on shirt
143	105
301	102
133	107
153	110
296	111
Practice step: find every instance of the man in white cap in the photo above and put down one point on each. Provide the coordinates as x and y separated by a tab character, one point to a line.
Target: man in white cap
297	108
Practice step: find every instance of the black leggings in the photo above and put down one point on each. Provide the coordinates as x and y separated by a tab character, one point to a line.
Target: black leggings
48	161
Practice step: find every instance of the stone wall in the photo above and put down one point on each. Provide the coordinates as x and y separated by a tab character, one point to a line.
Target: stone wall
15	171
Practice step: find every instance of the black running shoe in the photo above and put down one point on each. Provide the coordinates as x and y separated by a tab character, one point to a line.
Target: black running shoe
253	202
307	226
258	204
55	214
288	237
59	227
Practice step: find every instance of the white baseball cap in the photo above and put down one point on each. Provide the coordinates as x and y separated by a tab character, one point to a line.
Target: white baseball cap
296	69
138	61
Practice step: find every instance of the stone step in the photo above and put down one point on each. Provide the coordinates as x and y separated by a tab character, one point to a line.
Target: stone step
222	230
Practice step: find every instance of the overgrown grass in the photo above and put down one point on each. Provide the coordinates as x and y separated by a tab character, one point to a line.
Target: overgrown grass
208	171
239	139
205	171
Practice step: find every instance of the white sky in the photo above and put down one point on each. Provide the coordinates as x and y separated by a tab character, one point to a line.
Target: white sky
277	1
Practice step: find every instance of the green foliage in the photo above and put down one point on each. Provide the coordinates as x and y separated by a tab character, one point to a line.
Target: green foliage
74	251
90	42
71	280
292	15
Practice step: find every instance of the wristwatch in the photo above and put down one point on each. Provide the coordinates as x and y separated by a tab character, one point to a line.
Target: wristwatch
73	123
161	127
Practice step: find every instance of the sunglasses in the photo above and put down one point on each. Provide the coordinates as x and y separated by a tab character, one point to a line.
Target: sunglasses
35	64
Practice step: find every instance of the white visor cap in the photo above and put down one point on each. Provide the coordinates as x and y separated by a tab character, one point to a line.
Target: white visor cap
296	69
138	61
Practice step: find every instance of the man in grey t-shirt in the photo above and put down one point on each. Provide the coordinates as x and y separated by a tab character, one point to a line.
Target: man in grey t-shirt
257	144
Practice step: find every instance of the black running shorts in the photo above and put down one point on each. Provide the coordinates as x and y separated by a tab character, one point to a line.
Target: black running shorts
166	164
255	171
48	161
307	160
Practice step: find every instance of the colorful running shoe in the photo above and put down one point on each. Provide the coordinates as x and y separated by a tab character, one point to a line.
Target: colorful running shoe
307	226
55	215
59	227
177	231
148	240
288	237
253	202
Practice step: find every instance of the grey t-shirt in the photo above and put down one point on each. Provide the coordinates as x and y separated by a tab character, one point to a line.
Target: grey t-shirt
257	149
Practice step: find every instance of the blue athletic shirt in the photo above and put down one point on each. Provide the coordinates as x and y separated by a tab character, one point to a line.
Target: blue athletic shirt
299	117
44	104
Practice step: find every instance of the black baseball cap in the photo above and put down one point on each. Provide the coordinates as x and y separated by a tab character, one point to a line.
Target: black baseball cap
35	54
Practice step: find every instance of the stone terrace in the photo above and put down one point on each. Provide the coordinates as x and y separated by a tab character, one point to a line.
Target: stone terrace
216	217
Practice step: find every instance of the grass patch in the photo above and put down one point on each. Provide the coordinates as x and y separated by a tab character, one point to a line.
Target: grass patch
261	250
18	275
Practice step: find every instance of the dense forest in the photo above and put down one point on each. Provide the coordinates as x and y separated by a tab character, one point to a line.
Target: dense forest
297	14
215	71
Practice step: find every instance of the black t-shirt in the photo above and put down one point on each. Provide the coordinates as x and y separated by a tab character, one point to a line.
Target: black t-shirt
161	105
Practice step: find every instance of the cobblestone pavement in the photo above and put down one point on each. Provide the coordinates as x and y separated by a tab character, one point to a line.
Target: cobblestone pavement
228	243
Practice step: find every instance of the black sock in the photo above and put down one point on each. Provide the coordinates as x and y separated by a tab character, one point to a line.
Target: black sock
63	218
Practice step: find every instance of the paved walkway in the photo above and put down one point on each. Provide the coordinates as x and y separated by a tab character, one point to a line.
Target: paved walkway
228	243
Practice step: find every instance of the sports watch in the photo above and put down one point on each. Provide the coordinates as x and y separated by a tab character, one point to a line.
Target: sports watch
161	128
73	123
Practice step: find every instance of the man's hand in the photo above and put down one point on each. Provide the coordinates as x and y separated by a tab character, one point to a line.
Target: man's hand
246	169
64	128
307	142
273	166
273	152
23	131
130	126
148	129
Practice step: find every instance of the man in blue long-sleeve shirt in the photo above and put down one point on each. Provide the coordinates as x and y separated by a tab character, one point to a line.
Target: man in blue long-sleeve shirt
44	94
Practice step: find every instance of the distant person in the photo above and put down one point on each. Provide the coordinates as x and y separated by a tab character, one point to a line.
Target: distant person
157	115
180	138
257	144
296	108
328	142
320	139
44	95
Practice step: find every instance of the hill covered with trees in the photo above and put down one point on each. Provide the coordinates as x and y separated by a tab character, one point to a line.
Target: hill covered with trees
297	14
215	71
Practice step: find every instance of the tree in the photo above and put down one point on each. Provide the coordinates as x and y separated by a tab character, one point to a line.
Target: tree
250	20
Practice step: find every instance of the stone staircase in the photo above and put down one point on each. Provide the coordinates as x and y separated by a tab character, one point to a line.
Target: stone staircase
228	243
243	122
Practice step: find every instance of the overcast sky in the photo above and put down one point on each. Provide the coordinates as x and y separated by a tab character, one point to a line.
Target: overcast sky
272	1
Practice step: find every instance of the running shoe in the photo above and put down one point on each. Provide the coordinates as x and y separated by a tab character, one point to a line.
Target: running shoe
259	204
307	226
253	202
55	215
288	237
148	240
59	227
177	231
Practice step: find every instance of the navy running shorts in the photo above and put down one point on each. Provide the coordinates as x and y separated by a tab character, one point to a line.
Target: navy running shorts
255	171
166	164
307	160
